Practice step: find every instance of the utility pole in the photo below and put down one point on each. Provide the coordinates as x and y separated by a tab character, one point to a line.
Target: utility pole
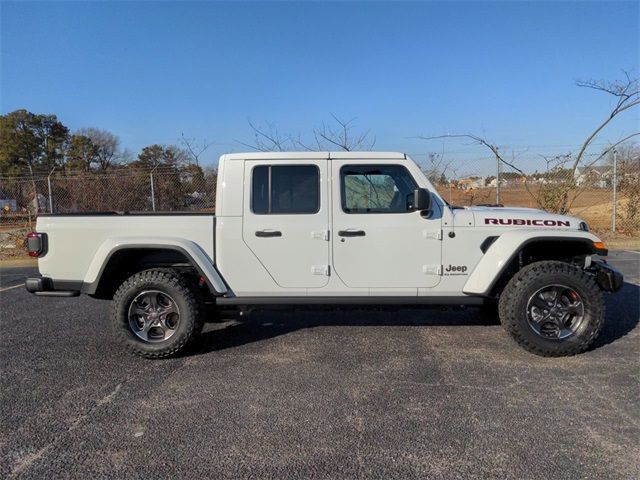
615	190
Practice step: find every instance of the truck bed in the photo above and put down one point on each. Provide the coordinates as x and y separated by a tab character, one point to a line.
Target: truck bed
74	240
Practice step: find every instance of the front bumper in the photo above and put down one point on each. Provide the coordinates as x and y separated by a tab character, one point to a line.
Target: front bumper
609	279
47	287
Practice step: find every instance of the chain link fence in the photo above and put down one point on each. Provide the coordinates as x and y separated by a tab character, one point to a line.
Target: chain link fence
118	191
606	195
22	199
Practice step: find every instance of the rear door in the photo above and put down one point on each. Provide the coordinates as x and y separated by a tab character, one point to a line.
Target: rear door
286	220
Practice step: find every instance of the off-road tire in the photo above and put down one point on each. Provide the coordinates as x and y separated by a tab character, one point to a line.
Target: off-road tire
181	289
513	307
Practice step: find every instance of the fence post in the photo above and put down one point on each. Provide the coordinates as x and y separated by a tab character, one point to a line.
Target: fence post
497	178
50	192
615	190
153	196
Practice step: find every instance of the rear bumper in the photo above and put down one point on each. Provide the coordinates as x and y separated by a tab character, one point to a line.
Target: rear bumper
609	279
47	287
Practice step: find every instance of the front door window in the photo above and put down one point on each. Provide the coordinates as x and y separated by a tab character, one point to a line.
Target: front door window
377	189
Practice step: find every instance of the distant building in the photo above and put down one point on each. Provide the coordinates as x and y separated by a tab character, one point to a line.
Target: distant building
494	182
508	179
599	176
471	183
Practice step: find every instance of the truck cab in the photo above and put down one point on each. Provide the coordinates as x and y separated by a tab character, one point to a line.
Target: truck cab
327	224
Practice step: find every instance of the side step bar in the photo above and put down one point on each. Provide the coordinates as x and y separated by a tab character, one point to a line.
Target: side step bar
338	300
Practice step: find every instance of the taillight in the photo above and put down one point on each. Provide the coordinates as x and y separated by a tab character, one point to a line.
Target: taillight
36	244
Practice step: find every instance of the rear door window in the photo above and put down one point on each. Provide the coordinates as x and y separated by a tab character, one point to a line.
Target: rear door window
285	189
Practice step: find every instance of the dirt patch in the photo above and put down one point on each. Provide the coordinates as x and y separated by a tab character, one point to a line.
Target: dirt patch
599	216
622	243
13	243
27	261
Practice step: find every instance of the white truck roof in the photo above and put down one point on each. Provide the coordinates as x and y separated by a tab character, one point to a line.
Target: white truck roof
313	155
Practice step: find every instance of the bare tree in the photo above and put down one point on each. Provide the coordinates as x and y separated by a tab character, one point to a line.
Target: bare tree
194	148
107	147
495	150
556	195
437	167
267	138
605	152
627	95
342	136
492	147
555	161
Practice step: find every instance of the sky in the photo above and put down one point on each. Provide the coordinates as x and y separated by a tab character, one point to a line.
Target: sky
150	71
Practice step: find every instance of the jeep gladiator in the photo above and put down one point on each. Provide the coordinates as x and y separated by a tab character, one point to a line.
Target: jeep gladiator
333	229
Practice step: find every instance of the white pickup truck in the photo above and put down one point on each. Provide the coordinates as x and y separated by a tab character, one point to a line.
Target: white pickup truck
328	228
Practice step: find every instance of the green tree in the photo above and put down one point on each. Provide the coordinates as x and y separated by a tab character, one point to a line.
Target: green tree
165	163
165	156
82	154
31	142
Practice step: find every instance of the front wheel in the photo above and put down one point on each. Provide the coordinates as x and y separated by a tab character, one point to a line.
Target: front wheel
156	313
552	309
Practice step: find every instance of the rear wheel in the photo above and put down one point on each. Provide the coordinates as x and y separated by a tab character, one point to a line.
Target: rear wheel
157	312
552	308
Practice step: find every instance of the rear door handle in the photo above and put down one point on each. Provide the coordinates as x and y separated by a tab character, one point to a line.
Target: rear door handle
268	233
351	233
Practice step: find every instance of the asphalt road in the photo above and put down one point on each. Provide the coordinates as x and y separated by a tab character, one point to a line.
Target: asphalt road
410	394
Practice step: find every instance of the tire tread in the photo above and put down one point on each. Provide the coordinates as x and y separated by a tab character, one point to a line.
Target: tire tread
511	295
190	296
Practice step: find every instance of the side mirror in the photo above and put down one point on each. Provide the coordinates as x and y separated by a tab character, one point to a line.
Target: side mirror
421	199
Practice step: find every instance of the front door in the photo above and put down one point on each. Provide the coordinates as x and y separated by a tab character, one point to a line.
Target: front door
379	240
286	220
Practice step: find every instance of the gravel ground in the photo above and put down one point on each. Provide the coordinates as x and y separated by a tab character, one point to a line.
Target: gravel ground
409	394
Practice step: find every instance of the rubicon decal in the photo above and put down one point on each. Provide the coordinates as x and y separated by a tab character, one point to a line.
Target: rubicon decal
520	221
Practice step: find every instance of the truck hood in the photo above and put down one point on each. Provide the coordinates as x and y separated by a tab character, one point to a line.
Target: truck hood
515	217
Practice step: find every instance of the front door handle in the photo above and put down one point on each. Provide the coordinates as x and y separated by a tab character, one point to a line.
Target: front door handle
268	233
351	233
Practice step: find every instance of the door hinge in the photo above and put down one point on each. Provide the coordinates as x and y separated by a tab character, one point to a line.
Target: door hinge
321	270
437	234
432	269
320	235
